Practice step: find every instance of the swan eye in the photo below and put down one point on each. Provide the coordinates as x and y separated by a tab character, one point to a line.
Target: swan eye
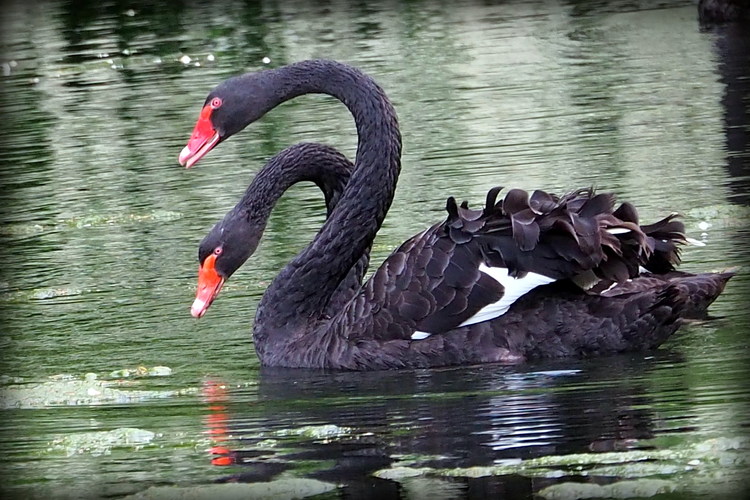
216	102
218	250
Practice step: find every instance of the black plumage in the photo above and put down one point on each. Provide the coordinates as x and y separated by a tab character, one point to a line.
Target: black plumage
594	280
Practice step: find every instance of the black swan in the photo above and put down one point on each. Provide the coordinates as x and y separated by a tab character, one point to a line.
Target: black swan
530	276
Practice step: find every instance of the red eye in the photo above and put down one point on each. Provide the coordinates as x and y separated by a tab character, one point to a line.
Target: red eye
218	250
216	102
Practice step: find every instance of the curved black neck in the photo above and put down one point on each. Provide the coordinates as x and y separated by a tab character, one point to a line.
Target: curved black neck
241	229
303	288
312	162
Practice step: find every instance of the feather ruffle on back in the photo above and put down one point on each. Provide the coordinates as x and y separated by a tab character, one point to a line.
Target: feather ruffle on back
565	236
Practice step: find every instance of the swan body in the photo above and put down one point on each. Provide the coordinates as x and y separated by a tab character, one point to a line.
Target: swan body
529	276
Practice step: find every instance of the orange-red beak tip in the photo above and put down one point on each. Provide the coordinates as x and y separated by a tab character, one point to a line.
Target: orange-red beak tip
209	286
202	140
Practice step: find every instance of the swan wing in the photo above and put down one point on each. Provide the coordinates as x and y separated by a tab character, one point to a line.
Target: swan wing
433	284
472	267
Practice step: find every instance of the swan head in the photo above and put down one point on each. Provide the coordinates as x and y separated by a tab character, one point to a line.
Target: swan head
224	249
230	107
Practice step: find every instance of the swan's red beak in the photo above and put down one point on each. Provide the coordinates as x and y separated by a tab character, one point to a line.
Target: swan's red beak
203	139
209	286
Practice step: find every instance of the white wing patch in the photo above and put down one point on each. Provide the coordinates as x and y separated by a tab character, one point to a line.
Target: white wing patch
417	335
514	289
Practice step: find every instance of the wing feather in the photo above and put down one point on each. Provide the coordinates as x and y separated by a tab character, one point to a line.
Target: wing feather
474	265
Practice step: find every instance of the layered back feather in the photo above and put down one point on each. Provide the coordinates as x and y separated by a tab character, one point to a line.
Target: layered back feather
565	236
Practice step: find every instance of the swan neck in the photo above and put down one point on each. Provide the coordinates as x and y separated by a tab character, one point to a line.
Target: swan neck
351	228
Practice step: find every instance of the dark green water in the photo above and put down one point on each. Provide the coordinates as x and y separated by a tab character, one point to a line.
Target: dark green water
100	228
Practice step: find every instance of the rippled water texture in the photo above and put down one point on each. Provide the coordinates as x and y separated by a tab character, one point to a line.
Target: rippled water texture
110	388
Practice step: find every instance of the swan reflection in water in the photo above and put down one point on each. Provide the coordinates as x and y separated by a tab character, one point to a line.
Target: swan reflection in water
438	418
